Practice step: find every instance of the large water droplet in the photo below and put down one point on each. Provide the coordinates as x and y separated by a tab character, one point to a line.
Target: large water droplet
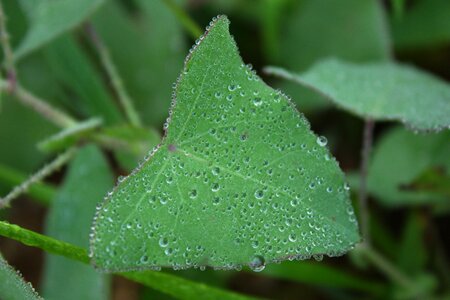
322	141
258	263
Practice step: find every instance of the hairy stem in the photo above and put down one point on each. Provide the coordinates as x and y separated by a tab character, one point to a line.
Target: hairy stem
41	174
189	24
8	54
113	75
43	193
29	100
365	155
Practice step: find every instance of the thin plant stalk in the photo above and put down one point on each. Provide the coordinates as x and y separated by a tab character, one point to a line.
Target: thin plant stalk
29	100
189	24
363	201
7	51
57	163
387	268
113	74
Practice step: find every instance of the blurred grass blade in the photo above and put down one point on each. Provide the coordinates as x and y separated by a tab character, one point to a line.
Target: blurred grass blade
189	24
322	275
380	91
49	19
10	177
13	286
169	284
69	219
413	237
74	70
148	51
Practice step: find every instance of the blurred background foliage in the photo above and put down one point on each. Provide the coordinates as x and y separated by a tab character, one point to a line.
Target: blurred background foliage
409	173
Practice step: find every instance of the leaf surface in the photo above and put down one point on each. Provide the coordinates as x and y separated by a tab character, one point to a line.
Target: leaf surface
49	18
381	91
399	157
239	178
12	285
69	219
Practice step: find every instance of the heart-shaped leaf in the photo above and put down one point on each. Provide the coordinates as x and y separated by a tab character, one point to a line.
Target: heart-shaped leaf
239	178
381	91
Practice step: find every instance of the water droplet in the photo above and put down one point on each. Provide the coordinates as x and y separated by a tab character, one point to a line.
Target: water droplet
193	194
257	263
257	101
322	141
259	194
215	187
218	95
232	87
163	242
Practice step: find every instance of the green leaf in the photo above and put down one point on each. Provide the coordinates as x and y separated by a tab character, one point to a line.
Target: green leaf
399	157
69	219
322	275
425	24
49	19
413	237
239	178
157	46
354	30
78	75
12	285
380	91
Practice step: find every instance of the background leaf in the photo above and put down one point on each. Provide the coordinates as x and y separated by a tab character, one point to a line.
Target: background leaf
380	91
425	24
339	32
69	219
78	75
48	19
12	285
399	157
293	204
148	52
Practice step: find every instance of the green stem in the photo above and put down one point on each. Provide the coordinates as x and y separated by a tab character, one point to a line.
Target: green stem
189	24
57	163
8	54
113	75
178	287
33	239
386	267
42	192
43	108
369	125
